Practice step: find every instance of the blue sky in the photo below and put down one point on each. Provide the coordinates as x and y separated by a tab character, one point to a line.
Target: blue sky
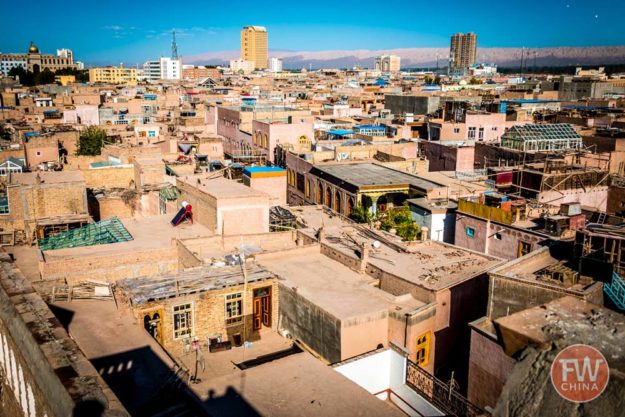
131	32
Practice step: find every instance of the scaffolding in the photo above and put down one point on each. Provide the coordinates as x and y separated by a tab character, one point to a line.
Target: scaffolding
103	232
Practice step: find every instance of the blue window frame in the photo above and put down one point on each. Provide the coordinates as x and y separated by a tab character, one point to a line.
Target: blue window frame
470	231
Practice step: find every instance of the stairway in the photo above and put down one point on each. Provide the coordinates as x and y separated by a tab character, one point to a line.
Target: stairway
615	291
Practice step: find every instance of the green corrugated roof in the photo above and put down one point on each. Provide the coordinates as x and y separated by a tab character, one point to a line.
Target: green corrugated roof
169	193
105	231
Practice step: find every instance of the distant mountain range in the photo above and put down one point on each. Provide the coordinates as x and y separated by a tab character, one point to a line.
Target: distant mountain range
427	57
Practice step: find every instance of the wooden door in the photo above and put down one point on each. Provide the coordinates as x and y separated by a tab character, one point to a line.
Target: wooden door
266	304
256	318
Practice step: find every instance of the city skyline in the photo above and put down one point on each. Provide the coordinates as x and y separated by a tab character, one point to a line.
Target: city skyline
106	37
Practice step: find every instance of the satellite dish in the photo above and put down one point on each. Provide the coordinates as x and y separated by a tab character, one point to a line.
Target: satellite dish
376	244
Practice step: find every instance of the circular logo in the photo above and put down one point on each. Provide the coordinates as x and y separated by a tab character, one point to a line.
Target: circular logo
580	373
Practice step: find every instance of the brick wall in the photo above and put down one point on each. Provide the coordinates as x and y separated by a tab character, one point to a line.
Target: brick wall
110	268
109	177
209	315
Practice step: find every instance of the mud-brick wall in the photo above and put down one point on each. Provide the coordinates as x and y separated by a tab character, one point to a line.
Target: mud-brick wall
42	370
110	268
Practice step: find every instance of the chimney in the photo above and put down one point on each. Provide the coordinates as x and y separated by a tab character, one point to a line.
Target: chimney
321	234
364	256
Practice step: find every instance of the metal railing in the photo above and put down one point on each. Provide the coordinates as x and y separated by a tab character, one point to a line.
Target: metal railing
441	395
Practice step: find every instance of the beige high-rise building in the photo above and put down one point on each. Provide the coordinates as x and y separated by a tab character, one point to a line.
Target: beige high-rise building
463	51
254	45
388	63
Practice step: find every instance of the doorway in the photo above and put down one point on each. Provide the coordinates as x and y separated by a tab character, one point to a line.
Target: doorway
153	325
262	308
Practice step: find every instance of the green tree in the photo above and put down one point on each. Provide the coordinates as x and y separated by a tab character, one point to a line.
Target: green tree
44	77
360	215
428	79
437	80
400	219
91	141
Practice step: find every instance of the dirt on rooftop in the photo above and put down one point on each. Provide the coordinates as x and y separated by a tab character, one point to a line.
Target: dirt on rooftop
528	391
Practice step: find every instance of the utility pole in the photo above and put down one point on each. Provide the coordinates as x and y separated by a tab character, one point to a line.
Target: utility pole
174	46
522	58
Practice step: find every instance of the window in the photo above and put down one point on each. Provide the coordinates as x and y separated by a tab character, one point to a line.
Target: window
470	231
456	130
183	320
471	133
524	248
38	153
234	308
494	128
497	236
423	349
481	134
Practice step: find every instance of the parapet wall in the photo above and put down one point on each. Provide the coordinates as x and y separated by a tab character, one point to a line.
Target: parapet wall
42	370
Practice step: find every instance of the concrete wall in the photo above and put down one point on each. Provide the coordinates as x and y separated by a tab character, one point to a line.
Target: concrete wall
309	323
493	238
511	295
275	187
489	368
443	157
400	105
376	372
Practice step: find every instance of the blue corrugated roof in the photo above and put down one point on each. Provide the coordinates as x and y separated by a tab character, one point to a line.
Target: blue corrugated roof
340	132
251	170
529	100
375	127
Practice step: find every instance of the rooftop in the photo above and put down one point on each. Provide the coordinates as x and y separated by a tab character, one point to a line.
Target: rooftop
368	175
148	233
191	281
220	187
332	286
46	177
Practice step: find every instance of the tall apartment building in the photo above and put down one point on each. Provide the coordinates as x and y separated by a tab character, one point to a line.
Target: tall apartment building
163	69
113	75
275	65
463	51
388	63
254	46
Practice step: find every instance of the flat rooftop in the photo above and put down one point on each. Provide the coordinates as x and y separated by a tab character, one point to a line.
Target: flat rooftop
459	184
136	368
575	318
148	233
369	175
429	264
216	248
332	286
220	187
46	177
